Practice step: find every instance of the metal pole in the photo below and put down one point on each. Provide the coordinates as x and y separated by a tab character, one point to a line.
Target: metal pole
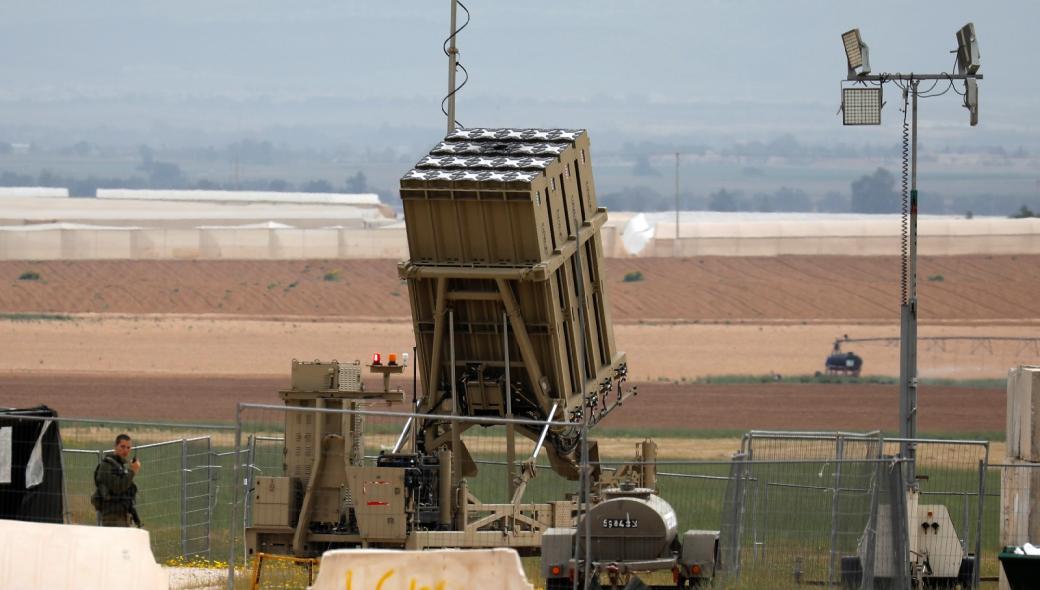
236	482
455	458
870	534
100	458
510	428
184	497
832	573
912	350
250	462
415	398
978	520
453	58
211	461
583	369
908	366
66	516
545	432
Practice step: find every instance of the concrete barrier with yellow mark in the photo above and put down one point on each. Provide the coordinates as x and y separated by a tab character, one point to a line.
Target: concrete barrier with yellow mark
446	569
58	557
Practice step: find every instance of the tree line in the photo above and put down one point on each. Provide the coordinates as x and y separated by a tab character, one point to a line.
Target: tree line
877	192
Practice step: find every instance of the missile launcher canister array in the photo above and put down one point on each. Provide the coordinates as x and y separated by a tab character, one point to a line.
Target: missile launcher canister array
503	223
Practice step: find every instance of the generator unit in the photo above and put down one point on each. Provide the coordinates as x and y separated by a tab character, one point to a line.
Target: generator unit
937	557
310	505
631	531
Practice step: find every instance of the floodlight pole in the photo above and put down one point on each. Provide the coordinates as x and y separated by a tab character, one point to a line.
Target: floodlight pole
908	317
908	307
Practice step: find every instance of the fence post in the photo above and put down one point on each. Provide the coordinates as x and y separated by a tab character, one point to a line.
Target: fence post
869	564
978	522
897	488
966	517
764	511
754	522
250	463
211	461
838	453
739	475
184	497
100	458
236	483
66	513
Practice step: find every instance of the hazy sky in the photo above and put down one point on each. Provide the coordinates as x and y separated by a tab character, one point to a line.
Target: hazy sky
722	70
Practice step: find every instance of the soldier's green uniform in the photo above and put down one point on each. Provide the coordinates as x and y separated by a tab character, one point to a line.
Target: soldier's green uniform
116	491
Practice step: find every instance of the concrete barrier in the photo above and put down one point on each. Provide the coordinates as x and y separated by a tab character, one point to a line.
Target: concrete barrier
445	569
58	557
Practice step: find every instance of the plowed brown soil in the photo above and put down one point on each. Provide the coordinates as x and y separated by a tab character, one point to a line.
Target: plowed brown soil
138	358
676	408
693	289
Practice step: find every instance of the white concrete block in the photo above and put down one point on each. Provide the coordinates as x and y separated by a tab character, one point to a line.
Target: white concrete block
1023	413
445	569
40	556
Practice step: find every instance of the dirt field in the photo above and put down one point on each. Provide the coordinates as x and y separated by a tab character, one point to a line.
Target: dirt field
163	340
672	407
695	289
656	352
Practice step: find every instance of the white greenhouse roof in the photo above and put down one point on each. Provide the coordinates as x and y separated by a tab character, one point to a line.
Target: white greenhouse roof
159	212
705	224
40	192
32	227
362	199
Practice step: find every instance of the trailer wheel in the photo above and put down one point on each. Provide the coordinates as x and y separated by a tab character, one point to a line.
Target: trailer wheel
851	572
966	575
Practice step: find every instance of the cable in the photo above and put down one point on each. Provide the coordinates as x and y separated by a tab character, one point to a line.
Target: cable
458	64
904	244
930	88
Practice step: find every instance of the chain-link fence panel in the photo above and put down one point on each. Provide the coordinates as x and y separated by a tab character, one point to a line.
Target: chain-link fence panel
945	503
947	513
180	486
805	521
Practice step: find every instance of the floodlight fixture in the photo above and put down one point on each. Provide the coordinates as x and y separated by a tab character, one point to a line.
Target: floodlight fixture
967	50
856	53
861	106
971	99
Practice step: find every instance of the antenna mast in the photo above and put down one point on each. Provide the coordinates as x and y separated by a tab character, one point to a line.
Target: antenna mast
453	60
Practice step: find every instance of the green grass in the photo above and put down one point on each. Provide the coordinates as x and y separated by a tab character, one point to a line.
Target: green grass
633	277
798	518
647	432
35	317
867	379
29	275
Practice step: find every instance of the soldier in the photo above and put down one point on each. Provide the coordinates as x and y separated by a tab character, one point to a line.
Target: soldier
116	492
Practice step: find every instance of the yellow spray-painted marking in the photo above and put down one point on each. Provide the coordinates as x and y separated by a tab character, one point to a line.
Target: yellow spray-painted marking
386	576
438	586
379	585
